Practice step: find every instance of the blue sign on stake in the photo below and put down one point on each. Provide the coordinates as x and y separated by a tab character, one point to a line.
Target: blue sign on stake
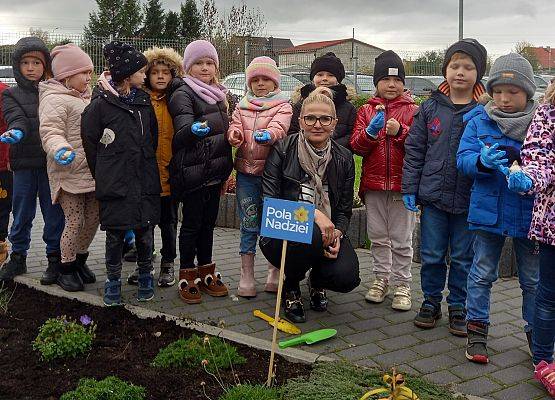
287	220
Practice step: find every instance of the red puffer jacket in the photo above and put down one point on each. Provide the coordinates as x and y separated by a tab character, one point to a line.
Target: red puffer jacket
382	163
4	148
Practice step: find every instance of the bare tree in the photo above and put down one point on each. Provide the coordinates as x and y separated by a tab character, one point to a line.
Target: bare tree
526	50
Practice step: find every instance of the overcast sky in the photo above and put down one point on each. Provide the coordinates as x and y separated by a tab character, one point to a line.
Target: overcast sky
394	24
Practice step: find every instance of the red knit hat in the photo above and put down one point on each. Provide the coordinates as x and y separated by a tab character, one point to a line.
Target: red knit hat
263	66
69	60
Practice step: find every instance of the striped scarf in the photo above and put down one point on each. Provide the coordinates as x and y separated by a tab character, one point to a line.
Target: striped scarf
478	90
253	103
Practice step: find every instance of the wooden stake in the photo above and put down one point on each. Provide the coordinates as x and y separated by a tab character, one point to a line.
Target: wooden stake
276	315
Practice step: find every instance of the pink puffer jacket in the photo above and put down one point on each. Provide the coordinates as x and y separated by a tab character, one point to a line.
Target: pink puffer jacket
60	127
538	158
251	156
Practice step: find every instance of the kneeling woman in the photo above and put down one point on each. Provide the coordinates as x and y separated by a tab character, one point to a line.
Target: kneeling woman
309	166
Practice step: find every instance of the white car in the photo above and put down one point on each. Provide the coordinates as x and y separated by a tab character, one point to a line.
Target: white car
6	75
236	83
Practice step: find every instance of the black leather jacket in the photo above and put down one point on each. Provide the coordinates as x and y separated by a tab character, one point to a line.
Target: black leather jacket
283	177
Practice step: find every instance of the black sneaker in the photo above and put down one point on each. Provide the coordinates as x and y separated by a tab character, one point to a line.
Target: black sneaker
477	342
167	275
69	279
50	275
318	300
16	266
133	278
294	309
427	316
457	320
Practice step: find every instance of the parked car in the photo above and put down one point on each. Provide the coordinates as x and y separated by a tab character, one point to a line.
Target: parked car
6	75
365	83
237	85
422	85
541	83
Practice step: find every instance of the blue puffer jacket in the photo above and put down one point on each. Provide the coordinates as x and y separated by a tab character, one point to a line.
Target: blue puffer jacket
493	207
430	164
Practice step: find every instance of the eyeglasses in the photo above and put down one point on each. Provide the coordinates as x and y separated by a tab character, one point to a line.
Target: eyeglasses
325	120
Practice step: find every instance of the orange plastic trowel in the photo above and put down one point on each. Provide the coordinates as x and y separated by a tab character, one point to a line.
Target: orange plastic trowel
283	325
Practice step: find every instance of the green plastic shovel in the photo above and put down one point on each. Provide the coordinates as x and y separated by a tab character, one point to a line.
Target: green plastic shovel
309	338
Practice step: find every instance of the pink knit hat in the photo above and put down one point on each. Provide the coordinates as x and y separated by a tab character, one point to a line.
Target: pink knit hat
197	50
263	66
68	60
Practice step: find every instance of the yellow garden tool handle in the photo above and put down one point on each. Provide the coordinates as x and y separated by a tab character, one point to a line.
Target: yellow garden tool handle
260	314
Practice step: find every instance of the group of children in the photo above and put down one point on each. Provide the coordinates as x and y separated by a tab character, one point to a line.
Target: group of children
158	130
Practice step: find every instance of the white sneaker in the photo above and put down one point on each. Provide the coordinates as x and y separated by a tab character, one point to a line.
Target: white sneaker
401	298
378	291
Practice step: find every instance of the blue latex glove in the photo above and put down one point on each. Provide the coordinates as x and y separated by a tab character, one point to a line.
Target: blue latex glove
12	136
377	123
492	158
519	182
60	153
262	136
198	129
410	202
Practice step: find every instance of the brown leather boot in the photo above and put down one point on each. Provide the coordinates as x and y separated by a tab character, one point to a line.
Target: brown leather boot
211	281
3	252
188	286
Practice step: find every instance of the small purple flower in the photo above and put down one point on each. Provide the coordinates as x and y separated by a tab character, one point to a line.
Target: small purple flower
85	320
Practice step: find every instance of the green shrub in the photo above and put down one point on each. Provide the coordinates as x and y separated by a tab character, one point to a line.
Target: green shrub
419	99
61	338
250	392
195	351
348	382
360	100
110	388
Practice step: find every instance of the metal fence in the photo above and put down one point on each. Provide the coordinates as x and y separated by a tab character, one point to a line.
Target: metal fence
236	53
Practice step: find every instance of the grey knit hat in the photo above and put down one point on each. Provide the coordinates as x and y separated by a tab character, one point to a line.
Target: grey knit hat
512	69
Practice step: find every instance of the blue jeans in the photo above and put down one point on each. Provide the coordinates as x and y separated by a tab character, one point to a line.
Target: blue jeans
27	184
543	335
441	231
484	271
249	206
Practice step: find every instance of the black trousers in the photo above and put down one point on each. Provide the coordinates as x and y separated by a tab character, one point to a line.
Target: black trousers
168	228
6	191
196	236
340	274
114	248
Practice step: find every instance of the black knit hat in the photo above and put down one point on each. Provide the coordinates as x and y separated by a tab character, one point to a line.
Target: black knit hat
329	63
474	49
388	64
123	60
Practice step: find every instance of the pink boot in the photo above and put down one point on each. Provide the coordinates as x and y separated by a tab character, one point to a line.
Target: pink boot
545	373
247	284
273	279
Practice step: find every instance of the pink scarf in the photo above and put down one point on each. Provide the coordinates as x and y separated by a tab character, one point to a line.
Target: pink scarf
271	100
211	94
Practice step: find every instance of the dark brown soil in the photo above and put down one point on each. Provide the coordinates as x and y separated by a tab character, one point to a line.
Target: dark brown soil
124	346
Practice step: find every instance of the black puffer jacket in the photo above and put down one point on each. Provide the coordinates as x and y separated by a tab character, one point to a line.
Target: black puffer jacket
346	114
20	106
197	162
283	176
120	144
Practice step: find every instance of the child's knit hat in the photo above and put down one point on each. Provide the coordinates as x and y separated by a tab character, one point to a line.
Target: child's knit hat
36	54
474	49
68	60
329	63
263	66
512	69
123	60
197	50
388	64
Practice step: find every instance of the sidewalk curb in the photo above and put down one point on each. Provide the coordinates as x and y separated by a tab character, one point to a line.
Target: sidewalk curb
291	354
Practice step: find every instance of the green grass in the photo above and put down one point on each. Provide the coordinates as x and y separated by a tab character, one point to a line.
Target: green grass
252	392
347	382
110	388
